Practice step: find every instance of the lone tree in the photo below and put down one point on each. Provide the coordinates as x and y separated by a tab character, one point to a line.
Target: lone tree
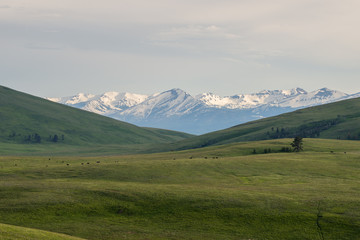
297	144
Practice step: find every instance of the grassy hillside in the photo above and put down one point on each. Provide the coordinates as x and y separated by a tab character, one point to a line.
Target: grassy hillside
340	120
31	120
221	192
9	232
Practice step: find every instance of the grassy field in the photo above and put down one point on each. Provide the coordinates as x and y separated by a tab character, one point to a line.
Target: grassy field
9	232
222	192
14	149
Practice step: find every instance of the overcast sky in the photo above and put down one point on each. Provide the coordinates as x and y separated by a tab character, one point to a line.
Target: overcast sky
63	47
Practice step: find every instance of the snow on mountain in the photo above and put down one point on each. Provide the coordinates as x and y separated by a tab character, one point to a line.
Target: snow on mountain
293	98
321	96
79	98
169	103
177	110
107	103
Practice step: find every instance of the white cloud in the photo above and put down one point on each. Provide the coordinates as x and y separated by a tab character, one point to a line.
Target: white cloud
196	33
282	38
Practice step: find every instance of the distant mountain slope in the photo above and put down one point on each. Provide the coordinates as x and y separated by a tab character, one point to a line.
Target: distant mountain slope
28	119
339	120
177	110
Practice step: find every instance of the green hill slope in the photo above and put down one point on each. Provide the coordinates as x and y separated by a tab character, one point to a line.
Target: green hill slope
28	119
340	120
9	232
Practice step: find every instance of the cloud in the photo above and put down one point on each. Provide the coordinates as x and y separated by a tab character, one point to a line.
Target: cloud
194	32
299	38
44	46
206	40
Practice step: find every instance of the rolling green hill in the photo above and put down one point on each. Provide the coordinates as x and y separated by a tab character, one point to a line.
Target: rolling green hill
339	120
9	232
218	192
27	119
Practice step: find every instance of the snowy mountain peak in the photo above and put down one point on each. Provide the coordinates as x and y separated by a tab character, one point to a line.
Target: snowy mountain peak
294	91
245	101
176	92
81	97
171	102
326	93
177	110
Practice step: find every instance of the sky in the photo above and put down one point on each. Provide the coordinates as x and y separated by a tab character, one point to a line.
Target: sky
62	47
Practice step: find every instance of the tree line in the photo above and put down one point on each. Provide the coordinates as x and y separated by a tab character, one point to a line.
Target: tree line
296	146
35	138
309	130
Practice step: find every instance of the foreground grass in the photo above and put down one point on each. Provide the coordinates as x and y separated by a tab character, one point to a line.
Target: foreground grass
222	192
13	149
9	232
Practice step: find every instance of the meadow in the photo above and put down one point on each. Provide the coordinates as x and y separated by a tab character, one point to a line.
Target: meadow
219	192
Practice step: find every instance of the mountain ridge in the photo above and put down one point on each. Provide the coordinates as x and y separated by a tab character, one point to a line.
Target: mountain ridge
177	110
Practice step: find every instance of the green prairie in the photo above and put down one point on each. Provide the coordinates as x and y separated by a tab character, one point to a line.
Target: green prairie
9	232
220	192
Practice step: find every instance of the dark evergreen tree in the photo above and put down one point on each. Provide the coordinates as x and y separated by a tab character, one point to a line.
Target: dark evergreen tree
297	144
56	138
37	138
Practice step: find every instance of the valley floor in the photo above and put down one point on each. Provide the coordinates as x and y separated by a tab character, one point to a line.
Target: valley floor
222	192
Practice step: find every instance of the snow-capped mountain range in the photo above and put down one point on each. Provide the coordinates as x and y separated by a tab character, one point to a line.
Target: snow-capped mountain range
177	110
